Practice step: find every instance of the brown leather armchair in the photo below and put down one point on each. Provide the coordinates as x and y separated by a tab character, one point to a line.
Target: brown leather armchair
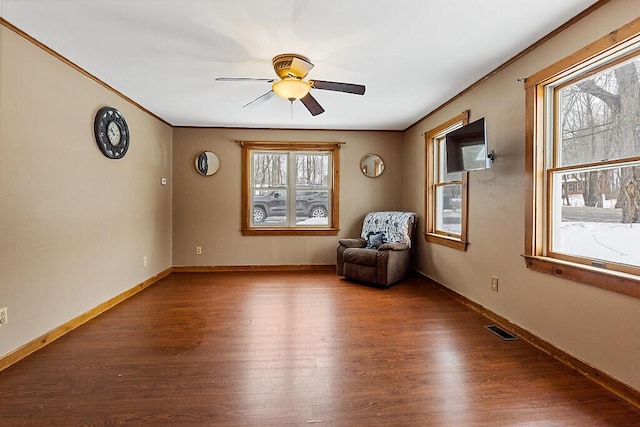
381	255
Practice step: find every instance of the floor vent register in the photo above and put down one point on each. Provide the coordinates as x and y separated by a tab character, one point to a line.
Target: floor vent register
501	332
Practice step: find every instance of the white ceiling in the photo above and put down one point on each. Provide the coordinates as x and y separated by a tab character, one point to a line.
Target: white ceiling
412	55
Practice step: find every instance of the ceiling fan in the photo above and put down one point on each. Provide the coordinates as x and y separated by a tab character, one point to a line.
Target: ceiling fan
292	69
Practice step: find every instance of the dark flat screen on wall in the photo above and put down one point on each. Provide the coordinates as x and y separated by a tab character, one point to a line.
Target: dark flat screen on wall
467	148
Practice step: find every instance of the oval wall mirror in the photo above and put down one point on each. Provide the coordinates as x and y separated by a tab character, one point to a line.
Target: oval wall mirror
207	163
372	165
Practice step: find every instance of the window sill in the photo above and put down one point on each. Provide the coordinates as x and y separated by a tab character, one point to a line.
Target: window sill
623	283
446	241
290	231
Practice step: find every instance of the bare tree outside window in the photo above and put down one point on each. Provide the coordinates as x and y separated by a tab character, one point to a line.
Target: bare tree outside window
269	170
600	121
312	170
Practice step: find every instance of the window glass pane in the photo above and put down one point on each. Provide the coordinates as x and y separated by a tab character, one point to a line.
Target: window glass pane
289	189
269	207
269	170
592	218
449	209
442	164
312	170
312	207
599	116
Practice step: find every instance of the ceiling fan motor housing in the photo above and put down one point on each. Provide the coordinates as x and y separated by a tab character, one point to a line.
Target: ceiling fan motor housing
282	64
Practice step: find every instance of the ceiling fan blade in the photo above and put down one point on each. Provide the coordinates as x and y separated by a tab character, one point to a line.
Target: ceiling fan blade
261	98
242	79
312	105
300	68
338	87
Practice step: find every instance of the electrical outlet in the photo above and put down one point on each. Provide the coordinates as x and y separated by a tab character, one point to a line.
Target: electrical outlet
4	316
494	283
198	250
145	261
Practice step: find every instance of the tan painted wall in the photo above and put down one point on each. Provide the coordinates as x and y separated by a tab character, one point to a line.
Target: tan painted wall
206	210
74	225
599	327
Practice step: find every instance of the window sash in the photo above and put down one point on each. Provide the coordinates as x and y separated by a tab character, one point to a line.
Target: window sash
292	187
448	221
560	236
554	92
541	160
567	244
283	200
441	225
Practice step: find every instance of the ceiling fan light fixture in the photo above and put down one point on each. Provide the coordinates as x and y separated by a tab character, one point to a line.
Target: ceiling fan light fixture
291	89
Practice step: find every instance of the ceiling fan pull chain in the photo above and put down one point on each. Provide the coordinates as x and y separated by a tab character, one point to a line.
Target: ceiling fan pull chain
291	102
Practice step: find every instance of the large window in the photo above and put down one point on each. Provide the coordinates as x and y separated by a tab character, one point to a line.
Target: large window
446	198
584	165
289	188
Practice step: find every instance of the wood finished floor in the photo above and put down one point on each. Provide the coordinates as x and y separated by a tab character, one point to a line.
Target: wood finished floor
296	349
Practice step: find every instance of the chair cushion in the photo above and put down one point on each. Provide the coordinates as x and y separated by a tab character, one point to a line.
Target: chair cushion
361	256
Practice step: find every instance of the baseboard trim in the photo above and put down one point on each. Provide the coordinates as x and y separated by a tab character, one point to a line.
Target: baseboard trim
235	268
601	378
43	340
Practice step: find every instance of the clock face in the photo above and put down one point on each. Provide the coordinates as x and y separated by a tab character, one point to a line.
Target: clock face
111	132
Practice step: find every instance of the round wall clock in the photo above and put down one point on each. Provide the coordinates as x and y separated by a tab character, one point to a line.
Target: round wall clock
112	133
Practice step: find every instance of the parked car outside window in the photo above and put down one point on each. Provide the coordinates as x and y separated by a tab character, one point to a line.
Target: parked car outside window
273	203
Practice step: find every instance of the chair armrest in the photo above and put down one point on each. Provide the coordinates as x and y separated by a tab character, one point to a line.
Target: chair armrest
393	246
353	243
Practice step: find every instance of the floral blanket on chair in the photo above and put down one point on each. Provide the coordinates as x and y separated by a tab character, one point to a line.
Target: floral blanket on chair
396	226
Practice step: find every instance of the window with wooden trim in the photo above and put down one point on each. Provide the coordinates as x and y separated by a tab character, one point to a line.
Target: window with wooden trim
290	188
446	193
583	165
